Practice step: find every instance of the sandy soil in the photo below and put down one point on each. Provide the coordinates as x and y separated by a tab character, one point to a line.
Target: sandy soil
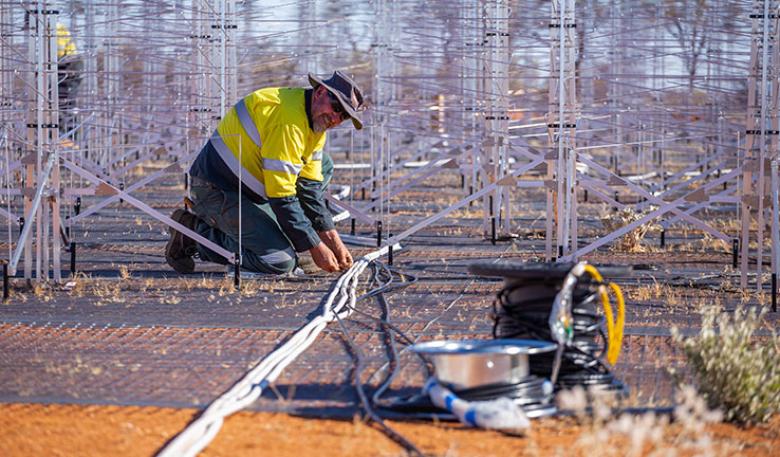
67	430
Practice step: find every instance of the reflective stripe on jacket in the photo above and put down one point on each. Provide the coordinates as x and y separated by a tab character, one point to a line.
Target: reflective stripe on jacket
266	140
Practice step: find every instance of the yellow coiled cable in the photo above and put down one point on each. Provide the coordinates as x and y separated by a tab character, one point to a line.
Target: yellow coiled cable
614	327
621	319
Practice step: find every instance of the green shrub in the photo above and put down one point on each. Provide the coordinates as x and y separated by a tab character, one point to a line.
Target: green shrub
733	371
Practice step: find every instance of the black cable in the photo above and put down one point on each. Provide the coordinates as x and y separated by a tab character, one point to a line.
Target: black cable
528	391
360	366
369	411
390	330
522	309
532	393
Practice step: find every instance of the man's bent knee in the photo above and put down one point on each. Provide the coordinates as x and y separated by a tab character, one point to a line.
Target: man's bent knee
282	268
278	263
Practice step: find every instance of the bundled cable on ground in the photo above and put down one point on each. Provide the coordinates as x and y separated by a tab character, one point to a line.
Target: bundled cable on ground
524	307
338	305
504	406
492	407
558	305
489	408
382	275
533	395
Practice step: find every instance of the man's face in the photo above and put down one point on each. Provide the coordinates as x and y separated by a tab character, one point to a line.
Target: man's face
326	111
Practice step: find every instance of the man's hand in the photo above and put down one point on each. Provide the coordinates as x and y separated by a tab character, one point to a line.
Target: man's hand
332	239
324	258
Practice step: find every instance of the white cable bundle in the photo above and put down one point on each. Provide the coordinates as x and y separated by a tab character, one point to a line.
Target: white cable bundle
202	430
499	414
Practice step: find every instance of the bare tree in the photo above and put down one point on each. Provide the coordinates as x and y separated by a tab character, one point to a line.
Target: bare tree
686	22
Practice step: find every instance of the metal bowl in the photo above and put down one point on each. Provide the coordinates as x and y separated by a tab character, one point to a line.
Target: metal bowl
464	364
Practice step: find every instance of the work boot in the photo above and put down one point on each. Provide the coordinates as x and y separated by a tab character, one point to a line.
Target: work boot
181	248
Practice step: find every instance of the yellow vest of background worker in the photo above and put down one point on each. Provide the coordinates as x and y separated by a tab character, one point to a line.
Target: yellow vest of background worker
65	44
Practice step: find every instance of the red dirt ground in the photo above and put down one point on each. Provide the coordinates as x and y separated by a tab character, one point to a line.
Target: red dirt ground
68	430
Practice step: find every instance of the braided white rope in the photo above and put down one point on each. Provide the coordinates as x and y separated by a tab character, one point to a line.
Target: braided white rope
199	433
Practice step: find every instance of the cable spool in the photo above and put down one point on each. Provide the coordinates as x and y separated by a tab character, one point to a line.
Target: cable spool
484	370
522	310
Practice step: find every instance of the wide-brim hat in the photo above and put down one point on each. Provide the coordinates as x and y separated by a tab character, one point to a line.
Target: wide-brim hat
347	93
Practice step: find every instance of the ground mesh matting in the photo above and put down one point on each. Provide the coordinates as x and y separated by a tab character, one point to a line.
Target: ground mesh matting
133	332
73	353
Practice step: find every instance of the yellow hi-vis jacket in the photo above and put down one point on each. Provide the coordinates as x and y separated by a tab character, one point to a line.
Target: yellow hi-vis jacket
268	134
65	44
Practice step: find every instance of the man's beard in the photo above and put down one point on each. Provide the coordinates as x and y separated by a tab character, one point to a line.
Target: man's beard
319	125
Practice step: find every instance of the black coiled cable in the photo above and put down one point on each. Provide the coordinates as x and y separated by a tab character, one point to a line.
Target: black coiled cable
522	309
533	394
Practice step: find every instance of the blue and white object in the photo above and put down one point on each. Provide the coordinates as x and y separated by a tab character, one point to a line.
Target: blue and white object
499	414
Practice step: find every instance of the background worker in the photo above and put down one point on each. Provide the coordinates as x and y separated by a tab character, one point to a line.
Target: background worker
70	67
274	136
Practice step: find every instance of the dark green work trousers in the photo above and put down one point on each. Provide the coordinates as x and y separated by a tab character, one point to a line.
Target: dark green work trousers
264	246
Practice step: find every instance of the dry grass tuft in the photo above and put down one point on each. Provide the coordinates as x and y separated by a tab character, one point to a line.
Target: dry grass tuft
107	292
124	272
43	291
631	242
226	287
634	435
657	291
77	285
